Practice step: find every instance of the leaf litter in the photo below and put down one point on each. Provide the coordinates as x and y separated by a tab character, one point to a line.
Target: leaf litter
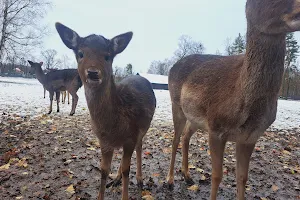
58	157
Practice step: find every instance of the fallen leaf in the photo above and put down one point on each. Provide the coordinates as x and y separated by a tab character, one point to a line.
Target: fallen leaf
286	152
194	188
147	153
4	167
19	197
191	166
275	188
70	189
91	149
22	163
202	178
167	150
146	193
208	152
25	173
148	197
200	170
156	175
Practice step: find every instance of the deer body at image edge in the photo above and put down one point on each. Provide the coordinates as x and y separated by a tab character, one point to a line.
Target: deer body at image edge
233	97
120	113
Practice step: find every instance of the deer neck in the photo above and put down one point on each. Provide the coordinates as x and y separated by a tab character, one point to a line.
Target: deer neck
261	74
41	77
102	104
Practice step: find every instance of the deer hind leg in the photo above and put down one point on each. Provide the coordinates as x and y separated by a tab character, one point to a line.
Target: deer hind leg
44	93
74	102
118	179
188	131
68	97
105	169
139	176
126	160
179	123
243	154
63	96
51	94
217	146
57	99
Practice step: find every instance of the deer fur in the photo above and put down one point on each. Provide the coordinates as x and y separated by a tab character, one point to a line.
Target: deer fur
233	97
57	81
120	113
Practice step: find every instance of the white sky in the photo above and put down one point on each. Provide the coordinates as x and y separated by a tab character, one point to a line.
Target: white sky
156	25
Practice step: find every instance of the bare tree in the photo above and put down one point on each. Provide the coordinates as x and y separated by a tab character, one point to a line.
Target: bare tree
65	62
188	46
50	60
160	67
20	27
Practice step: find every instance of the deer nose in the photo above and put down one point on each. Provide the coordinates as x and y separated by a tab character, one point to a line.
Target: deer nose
92	74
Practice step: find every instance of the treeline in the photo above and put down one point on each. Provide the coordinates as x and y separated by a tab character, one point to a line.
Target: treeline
187	46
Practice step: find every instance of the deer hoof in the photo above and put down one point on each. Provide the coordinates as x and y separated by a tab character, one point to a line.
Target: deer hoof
71	114
57	110
116	182
170	186
189	181
50	111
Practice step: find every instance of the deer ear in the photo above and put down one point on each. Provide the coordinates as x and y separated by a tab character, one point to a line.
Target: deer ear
120	42
69	37
30	62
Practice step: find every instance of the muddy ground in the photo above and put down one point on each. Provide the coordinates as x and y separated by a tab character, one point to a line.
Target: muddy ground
57	157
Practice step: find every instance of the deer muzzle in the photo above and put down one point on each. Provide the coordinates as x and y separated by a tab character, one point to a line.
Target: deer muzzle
94	76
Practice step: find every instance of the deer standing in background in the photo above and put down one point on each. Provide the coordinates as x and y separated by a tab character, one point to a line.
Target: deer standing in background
57	81
120	113
233	97
63	93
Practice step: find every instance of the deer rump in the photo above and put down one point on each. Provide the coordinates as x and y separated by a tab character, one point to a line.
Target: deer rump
61	80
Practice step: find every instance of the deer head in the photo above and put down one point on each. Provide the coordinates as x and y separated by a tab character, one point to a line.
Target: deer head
94	54
34	66
274	16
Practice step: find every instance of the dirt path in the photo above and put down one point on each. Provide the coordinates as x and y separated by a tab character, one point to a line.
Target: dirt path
57	157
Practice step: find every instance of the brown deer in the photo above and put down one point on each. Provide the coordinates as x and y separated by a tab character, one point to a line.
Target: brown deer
233	97
57	81
120	113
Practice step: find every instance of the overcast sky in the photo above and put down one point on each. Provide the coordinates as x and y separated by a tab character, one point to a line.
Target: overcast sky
156	25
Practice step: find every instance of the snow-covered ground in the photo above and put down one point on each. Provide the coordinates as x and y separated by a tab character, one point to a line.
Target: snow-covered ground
25	97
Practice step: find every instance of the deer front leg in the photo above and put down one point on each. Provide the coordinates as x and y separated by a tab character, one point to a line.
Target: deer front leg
51	94
188	132
44	93
57	99
216	146
126	160
105	169
243	154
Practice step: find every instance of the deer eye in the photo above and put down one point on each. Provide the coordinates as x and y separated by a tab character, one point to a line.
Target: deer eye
80	54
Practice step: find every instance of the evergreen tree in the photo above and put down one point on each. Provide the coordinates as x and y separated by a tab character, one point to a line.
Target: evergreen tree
128	69
239	45
292	50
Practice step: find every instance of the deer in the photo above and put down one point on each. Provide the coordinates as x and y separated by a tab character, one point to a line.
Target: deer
121	112
57	81
234	98
63	93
